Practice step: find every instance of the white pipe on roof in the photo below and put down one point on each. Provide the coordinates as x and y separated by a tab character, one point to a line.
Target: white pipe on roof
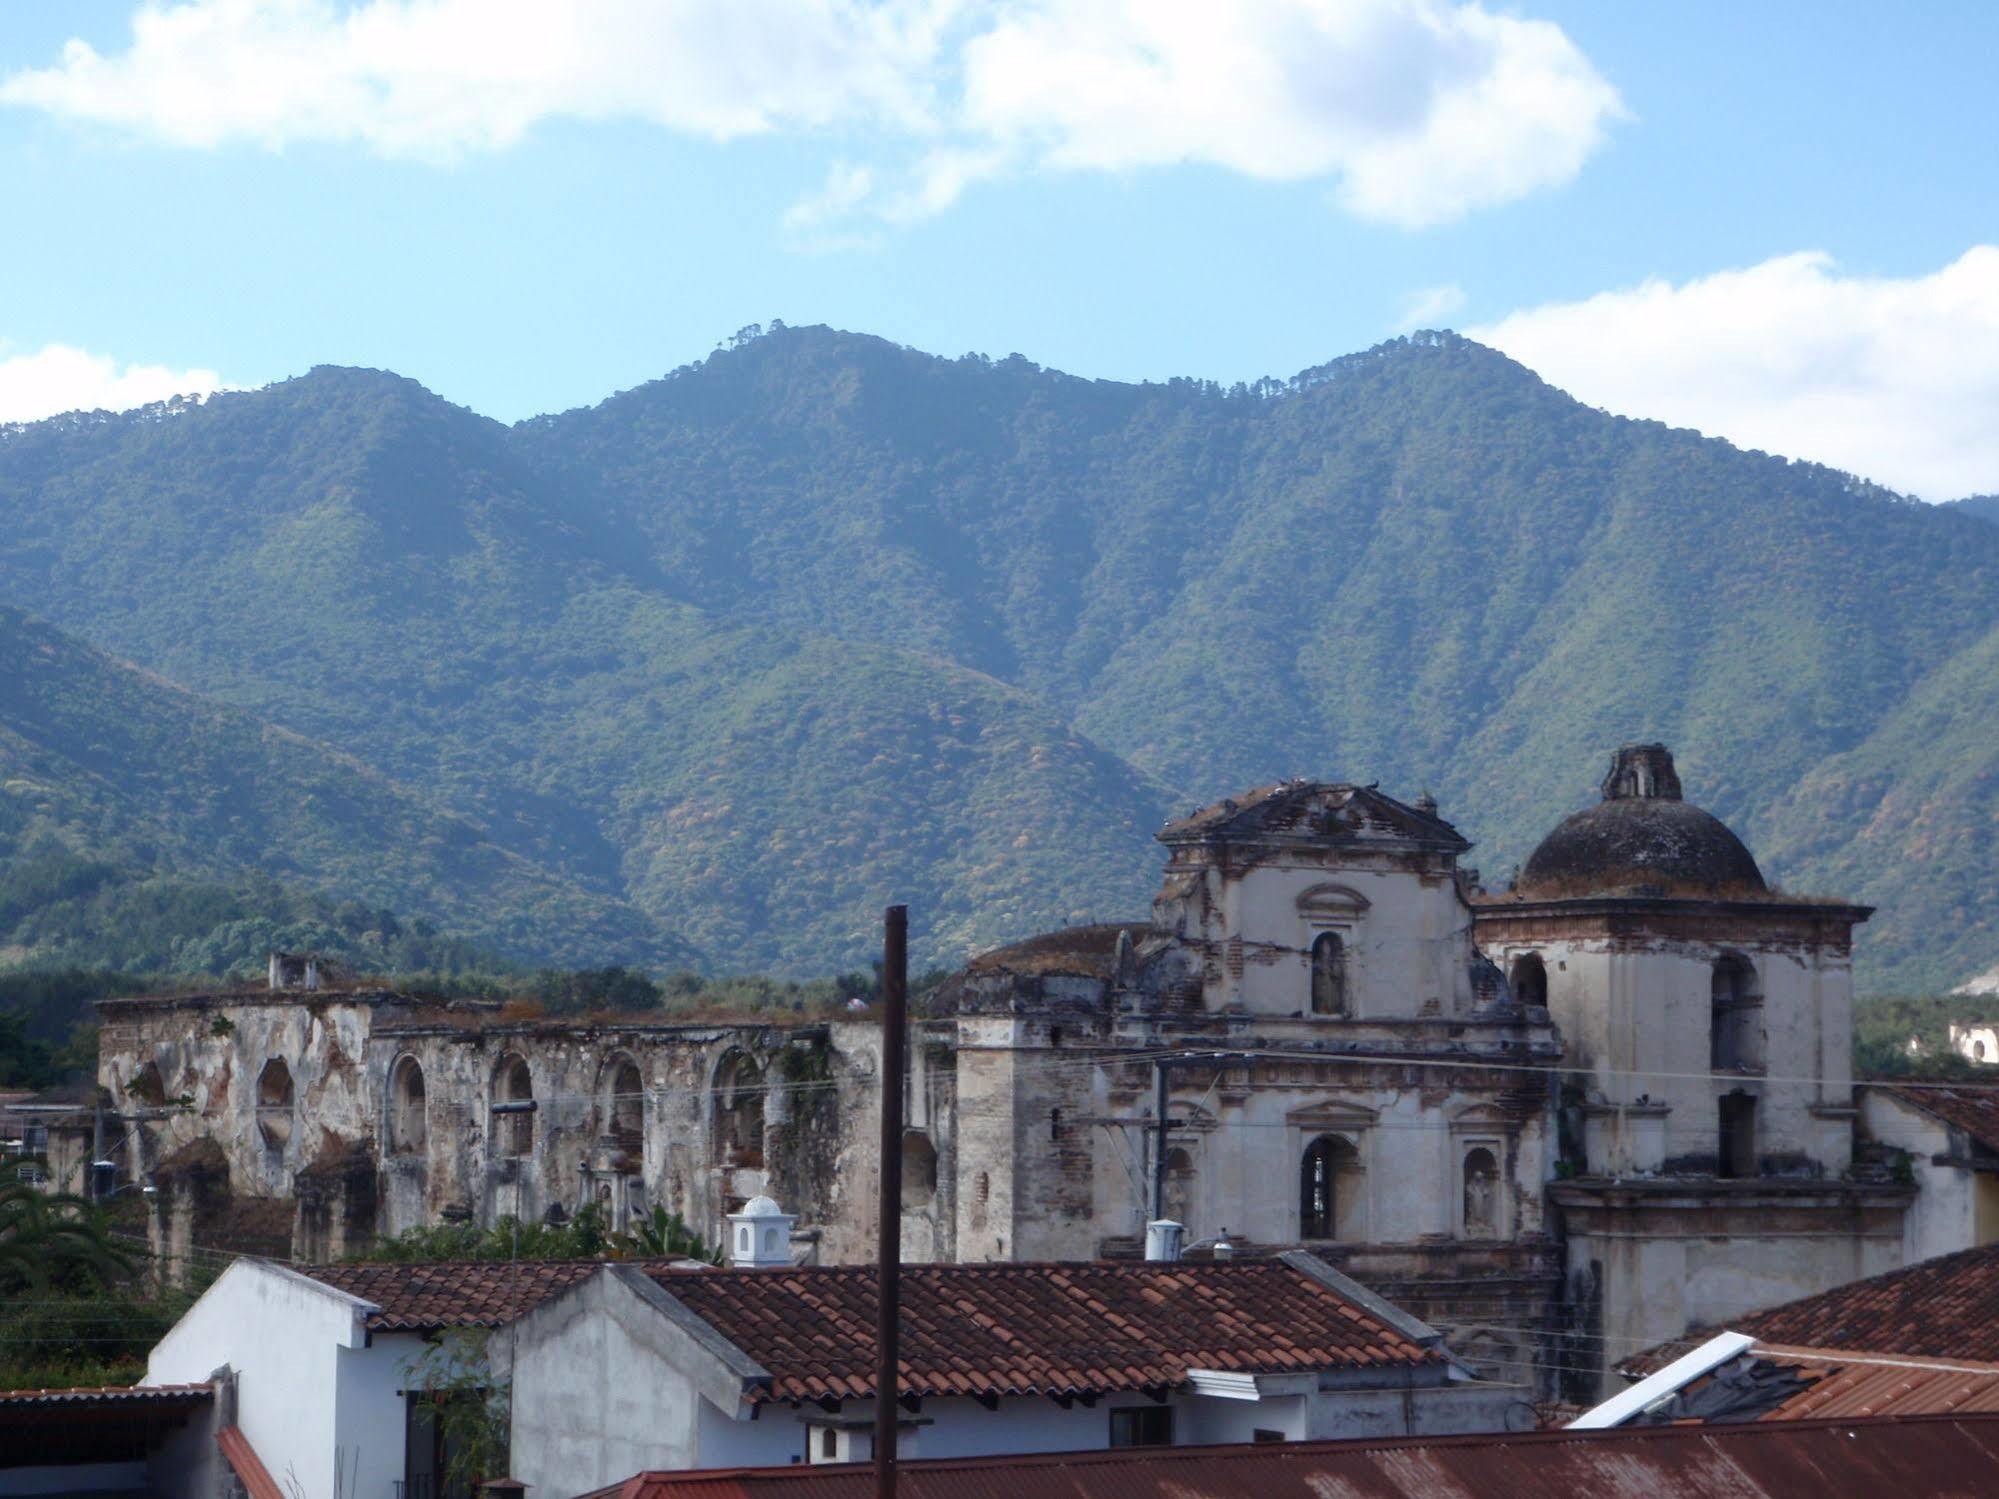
1682	1371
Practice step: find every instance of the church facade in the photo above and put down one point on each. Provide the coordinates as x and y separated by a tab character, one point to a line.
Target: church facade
1557	1122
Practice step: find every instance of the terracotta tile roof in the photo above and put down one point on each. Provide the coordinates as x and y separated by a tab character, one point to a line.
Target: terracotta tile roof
1938	1308
1973	1110
1861	1459
1844	1384
1084	951
1009	1329
246	1465
456	1293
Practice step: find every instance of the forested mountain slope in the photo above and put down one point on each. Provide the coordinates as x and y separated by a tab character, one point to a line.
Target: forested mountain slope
109	774
823	622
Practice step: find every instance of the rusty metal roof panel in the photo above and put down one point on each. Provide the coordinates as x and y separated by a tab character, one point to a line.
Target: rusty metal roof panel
1953	1457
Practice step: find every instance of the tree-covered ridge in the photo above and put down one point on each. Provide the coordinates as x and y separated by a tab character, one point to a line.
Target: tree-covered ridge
823	622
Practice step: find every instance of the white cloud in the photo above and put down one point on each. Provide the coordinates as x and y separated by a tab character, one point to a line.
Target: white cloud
59	378
1413	111
1430	307
436	78
1892	379
1419	110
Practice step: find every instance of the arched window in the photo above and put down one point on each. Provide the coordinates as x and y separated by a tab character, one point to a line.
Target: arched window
1329	975
1179	1186
275	1099
512	1132
621	1106
1481	1194
1735	1034
1530	980
739	1111
1330	1200
409	1119
919	1170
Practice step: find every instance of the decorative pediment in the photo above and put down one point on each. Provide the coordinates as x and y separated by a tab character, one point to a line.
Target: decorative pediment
1484	1118
1332	1116
1332	900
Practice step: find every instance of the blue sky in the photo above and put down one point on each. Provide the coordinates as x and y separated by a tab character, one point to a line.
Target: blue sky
528	214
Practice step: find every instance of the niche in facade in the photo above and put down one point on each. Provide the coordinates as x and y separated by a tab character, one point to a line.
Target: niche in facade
409	1119
919	1170
1329	974
276	1103
739	1111
1735	1035
1529	980
1481	1202
1331	1191
513	1133
1179	1185
621	1106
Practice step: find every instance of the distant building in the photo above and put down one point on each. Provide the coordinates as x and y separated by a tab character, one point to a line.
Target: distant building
1976	1043
647	1364
1581	1114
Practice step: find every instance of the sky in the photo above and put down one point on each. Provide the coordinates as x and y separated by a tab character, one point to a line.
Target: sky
1777	223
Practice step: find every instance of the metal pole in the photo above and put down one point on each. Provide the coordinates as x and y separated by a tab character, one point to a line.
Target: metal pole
888	1342
1158	1140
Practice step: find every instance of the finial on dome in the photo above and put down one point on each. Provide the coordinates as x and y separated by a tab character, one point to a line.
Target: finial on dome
1642	772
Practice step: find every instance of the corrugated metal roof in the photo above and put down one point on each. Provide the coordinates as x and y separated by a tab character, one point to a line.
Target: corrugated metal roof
1863	1459
112	1395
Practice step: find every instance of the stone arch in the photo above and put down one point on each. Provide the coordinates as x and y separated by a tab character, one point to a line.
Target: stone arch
277	1103
1329	974
512	1133
409	1112
621	1104
1332	1201
1528	980
919	1170
739	1111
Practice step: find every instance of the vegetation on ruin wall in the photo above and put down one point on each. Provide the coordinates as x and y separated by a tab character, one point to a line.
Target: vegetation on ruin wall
661	1234
707	674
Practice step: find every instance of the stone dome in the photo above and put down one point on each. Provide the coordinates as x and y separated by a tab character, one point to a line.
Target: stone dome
1641	839
760	1207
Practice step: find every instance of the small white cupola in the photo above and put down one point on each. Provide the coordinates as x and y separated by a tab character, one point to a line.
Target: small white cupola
760	1235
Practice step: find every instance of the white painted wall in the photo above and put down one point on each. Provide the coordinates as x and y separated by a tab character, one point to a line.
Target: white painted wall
312	1396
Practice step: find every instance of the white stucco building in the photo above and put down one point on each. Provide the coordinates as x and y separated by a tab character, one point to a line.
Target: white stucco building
645	1367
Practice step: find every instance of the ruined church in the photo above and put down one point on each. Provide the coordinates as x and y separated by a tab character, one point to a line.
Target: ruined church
1561	1121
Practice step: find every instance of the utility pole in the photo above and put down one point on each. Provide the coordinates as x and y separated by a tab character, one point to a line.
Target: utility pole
888	1341
1160	1124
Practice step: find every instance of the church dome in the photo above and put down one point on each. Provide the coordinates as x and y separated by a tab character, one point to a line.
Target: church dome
1641	839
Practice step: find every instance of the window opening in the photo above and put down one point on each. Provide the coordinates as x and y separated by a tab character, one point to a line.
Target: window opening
275	1099
739	1112
1142	1426
1329	1190
623	1108
919	1170
513	1133
409	1123
1530	980
1736	1016
1736	1156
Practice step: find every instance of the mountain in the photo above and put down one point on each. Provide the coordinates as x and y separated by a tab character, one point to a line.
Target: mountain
1984	506
109	775
822	622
